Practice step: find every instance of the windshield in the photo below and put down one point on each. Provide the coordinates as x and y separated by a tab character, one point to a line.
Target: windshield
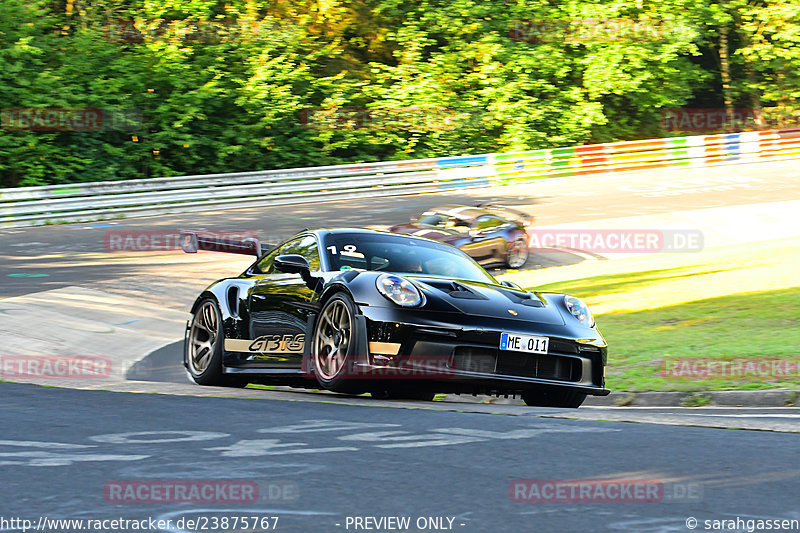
433	219
442	221
401	255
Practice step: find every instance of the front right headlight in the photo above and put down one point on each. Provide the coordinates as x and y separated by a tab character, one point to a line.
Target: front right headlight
579	310
399	290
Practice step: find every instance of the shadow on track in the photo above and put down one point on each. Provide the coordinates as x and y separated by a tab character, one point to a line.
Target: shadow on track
163	365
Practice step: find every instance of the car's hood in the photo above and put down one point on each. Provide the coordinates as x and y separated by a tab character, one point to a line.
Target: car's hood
483	299
437	234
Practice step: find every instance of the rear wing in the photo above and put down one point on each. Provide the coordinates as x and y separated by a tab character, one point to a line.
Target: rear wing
509	212
192	241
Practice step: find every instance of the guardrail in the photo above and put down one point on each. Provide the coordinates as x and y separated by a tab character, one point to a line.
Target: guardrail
81	202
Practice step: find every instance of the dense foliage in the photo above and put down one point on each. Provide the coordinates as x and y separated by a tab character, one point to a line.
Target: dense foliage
202	86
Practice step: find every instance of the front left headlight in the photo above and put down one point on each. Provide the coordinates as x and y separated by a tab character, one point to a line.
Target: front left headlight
399	290
579	310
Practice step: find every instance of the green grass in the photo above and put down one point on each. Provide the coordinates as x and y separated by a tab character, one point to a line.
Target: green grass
697	399
599	286
755	325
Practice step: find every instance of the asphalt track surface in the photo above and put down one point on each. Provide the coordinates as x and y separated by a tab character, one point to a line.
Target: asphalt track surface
319	459
316	464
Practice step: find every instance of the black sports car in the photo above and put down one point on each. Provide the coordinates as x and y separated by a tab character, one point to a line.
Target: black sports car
493	235
354	310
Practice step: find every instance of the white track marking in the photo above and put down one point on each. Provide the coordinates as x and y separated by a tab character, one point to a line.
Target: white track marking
40	444
184	436
311	426
259	447
39	458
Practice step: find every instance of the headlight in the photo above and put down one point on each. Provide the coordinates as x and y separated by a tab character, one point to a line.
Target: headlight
579	310
399	290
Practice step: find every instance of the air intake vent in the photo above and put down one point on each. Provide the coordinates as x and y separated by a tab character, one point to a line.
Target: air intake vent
455	289
522	298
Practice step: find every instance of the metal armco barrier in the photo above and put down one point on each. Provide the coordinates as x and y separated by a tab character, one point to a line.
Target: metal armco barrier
30	206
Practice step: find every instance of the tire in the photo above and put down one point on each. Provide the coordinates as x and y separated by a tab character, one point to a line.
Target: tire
517	253
203	347
553	398
332	347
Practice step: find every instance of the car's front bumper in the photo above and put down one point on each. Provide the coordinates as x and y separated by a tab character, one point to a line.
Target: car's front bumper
457	353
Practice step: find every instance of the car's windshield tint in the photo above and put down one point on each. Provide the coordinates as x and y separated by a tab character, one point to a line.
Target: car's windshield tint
442	221
433	219
399	254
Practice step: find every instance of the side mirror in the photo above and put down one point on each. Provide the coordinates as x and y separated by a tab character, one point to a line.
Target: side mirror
512	285
292	264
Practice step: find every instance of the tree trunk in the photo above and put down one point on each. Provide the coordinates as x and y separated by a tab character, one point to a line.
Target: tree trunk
725	72
755	97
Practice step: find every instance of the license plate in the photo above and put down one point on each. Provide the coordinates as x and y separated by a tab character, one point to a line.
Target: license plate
524	343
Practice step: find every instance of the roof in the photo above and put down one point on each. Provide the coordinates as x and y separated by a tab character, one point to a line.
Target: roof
462	212
339	231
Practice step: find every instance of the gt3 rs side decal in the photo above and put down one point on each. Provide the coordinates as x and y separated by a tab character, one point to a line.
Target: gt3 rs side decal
293	344
286	343
384	348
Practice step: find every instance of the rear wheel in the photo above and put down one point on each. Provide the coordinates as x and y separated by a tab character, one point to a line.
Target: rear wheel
517	254
204	347
553	398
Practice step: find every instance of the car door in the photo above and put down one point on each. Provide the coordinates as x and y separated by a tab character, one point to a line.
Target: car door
280	305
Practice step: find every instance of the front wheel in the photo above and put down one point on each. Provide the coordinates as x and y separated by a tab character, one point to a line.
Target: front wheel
553	398
517	254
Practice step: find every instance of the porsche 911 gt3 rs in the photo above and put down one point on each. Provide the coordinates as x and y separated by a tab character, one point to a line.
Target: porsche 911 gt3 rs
355	310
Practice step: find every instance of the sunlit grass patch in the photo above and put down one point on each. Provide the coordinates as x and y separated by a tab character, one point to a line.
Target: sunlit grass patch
661	280
756	325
